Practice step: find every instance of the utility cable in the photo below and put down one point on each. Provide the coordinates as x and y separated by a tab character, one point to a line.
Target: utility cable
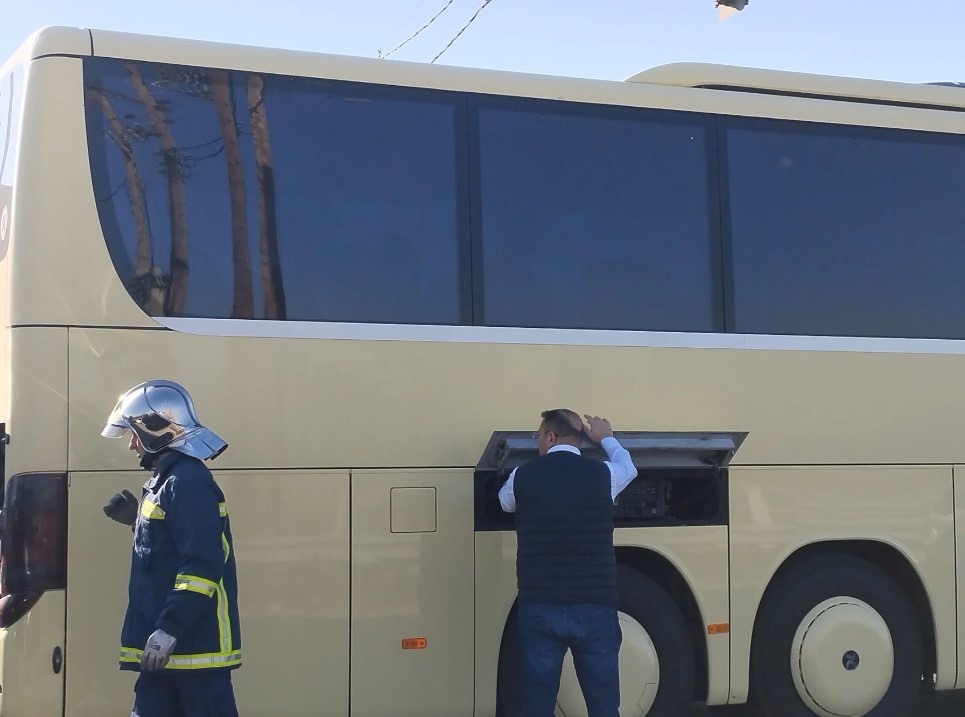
464	28
417	32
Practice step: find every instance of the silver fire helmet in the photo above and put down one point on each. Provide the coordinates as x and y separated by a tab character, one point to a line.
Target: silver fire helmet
162	415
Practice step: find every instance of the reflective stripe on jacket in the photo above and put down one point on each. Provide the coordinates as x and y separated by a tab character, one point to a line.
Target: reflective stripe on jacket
183	577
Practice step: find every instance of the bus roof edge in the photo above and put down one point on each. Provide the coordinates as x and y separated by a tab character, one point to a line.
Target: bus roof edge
747	79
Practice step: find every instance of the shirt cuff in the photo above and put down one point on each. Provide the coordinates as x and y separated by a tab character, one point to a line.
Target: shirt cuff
610	445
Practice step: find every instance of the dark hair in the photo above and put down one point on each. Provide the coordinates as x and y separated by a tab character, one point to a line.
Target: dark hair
562	421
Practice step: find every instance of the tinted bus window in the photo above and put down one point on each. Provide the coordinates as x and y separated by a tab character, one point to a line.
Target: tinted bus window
596	217
256	196
853	231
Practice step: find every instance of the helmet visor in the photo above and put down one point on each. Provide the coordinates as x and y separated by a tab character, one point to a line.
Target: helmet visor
111	431
116	426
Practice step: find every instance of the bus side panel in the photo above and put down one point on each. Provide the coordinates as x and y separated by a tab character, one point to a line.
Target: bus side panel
776	511
412	577
99	561
37	423
495	554
290	533
30	687
38	429
291	536
699	554
71	277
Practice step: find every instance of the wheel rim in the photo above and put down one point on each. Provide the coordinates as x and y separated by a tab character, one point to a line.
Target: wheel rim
842	658
639	675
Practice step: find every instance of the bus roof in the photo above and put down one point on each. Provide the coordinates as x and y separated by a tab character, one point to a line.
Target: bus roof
53	40
75	41
800	84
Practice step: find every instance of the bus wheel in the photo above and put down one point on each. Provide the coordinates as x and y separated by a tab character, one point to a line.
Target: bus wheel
837	638
656	655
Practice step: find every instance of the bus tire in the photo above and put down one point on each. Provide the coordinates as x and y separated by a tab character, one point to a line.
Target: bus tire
652	609
645	601
825	619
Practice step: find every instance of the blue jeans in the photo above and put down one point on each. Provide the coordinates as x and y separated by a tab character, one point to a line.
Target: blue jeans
198	693
592	634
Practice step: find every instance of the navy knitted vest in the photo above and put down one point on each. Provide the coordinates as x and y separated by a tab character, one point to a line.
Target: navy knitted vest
564	527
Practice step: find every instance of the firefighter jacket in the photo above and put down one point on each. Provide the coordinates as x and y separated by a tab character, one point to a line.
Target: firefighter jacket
183	577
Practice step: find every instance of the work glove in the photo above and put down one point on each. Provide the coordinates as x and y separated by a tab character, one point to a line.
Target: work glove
122	507
157	651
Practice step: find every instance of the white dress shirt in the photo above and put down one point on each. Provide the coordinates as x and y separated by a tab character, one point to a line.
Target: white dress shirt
622	471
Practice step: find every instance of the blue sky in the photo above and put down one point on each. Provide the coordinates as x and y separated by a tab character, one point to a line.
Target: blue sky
612	39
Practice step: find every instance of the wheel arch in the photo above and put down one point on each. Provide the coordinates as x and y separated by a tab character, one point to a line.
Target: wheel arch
888	558
664	572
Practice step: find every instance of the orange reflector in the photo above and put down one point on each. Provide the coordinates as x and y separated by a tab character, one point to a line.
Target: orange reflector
414	643
718	628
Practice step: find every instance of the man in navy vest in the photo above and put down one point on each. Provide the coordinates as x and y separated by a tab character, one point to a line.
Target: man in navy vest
565	562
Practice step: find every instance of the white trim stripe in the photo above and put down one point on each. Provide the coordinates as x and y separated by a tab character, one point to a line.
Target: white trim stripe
258	328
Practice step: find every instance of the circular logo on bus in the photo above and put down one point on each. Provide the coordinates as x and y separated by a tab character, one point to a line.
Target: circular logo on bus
4	218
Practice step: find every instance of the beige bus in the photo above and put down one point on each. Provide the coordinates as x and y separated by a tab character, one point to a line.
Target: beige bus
372	276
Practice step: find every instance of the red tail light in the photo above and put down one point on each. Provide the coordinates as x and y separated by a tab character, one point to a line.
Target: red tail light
33	541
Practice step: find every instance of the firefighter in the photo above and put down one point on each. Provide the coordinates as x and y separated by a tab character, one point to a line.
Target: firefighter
181	631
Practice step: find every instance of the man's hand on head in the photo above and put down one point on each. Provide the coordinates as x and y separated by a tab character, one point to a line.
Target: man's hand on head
596	428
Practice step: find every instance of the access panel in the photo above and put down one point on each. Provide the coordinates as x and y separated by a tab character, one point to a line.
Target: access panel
681	477
412	593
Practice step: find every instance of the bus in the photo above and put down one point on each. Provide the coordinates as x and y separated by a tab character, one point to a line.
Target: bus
373	276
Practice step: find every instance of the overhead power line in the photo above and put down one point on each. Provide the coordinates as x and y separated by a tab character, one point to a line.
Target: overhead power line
417	32
464	28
